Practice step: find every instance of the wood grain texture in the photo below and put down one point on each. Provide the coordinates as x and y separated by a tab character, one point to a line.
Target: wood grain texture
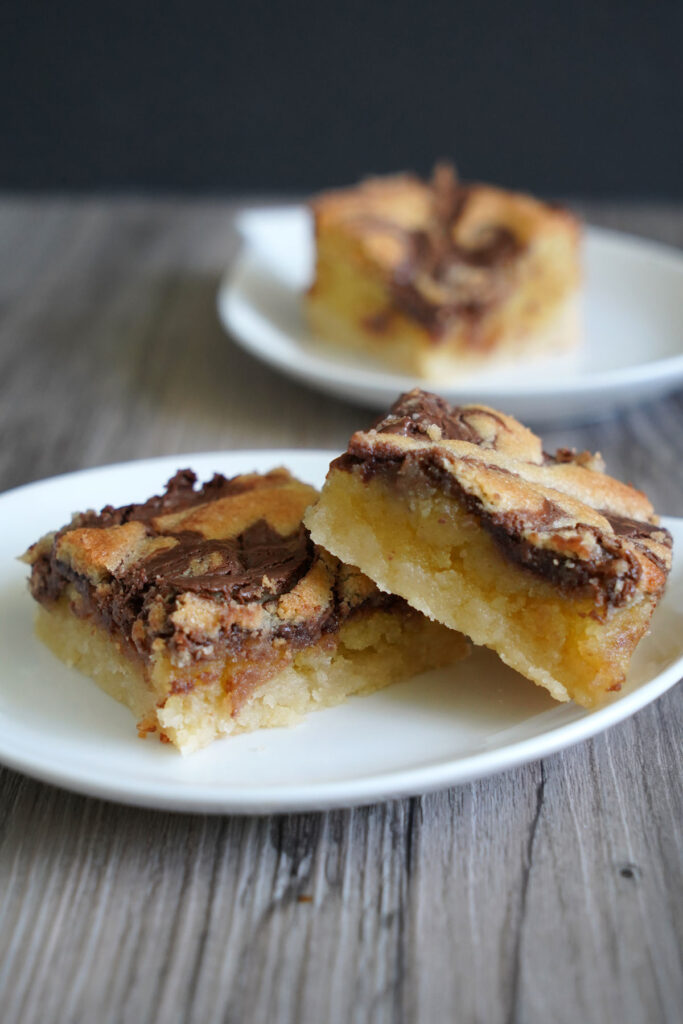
549	893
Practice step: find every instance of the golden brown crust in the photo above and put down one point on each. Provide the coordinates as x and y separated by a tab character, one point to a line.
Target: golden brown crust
96	553
275	497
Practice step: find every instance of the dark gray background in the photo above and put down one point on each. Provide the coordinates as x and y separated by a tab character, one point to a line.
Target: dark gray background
580	98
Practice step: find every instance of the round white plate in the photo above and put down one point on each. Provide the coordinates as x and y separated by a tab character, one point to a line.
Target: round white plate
633	311
441	728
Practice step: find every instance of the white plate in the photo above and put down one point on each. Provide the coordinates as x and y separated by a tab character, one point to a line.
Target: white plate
442	728
633	311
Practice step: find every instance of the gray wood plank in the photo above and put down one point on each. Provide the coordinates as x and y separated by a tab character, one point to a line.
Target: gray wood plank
549	893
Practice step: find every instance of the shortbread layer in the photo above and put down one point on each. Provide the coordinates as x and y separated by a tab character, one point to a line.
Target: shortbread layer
547	560
369	651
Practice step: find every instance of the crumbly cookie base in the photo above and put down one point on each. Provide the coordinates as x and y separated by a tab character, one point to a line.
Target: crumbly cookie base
373	650
426	548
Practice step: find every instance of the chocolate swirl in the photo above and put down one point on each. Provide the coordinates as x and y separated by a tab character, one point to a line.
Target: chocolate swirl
416	414
470	278
258	564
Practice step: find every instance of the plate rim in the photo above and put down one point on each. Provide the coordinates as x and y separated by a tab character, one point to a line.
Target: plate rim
379	786
318	369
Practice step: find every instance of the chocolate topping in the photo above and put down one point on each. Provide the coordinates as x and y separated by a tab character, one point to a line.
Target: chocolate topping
180	494
236	568
414	416
638	532
469	277
633	528
249	571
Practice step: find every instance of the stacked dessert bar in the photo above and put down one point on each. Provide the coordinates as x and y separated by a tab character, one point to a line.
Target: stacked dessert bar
544	558
249	601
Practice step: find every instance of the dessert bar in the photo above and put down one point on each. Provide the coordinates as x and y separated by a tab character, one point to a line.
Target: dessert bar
210	611
544	558
438	279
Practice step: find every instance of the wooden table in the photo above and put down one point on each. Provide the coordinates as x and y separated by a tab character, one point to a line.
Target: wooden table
550	893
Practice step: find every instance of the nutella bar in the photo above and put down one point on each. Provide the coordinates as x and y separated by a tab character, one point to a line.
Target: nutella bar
209	610
544	558
440	278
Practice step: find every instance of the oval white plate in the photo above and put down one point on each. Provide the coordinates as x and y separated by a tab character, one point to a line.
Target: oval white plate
442	728
633	311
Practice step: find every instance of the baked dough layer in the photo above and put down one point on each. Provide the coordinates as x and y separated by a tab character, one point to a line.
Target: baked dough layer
374	650
547	560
